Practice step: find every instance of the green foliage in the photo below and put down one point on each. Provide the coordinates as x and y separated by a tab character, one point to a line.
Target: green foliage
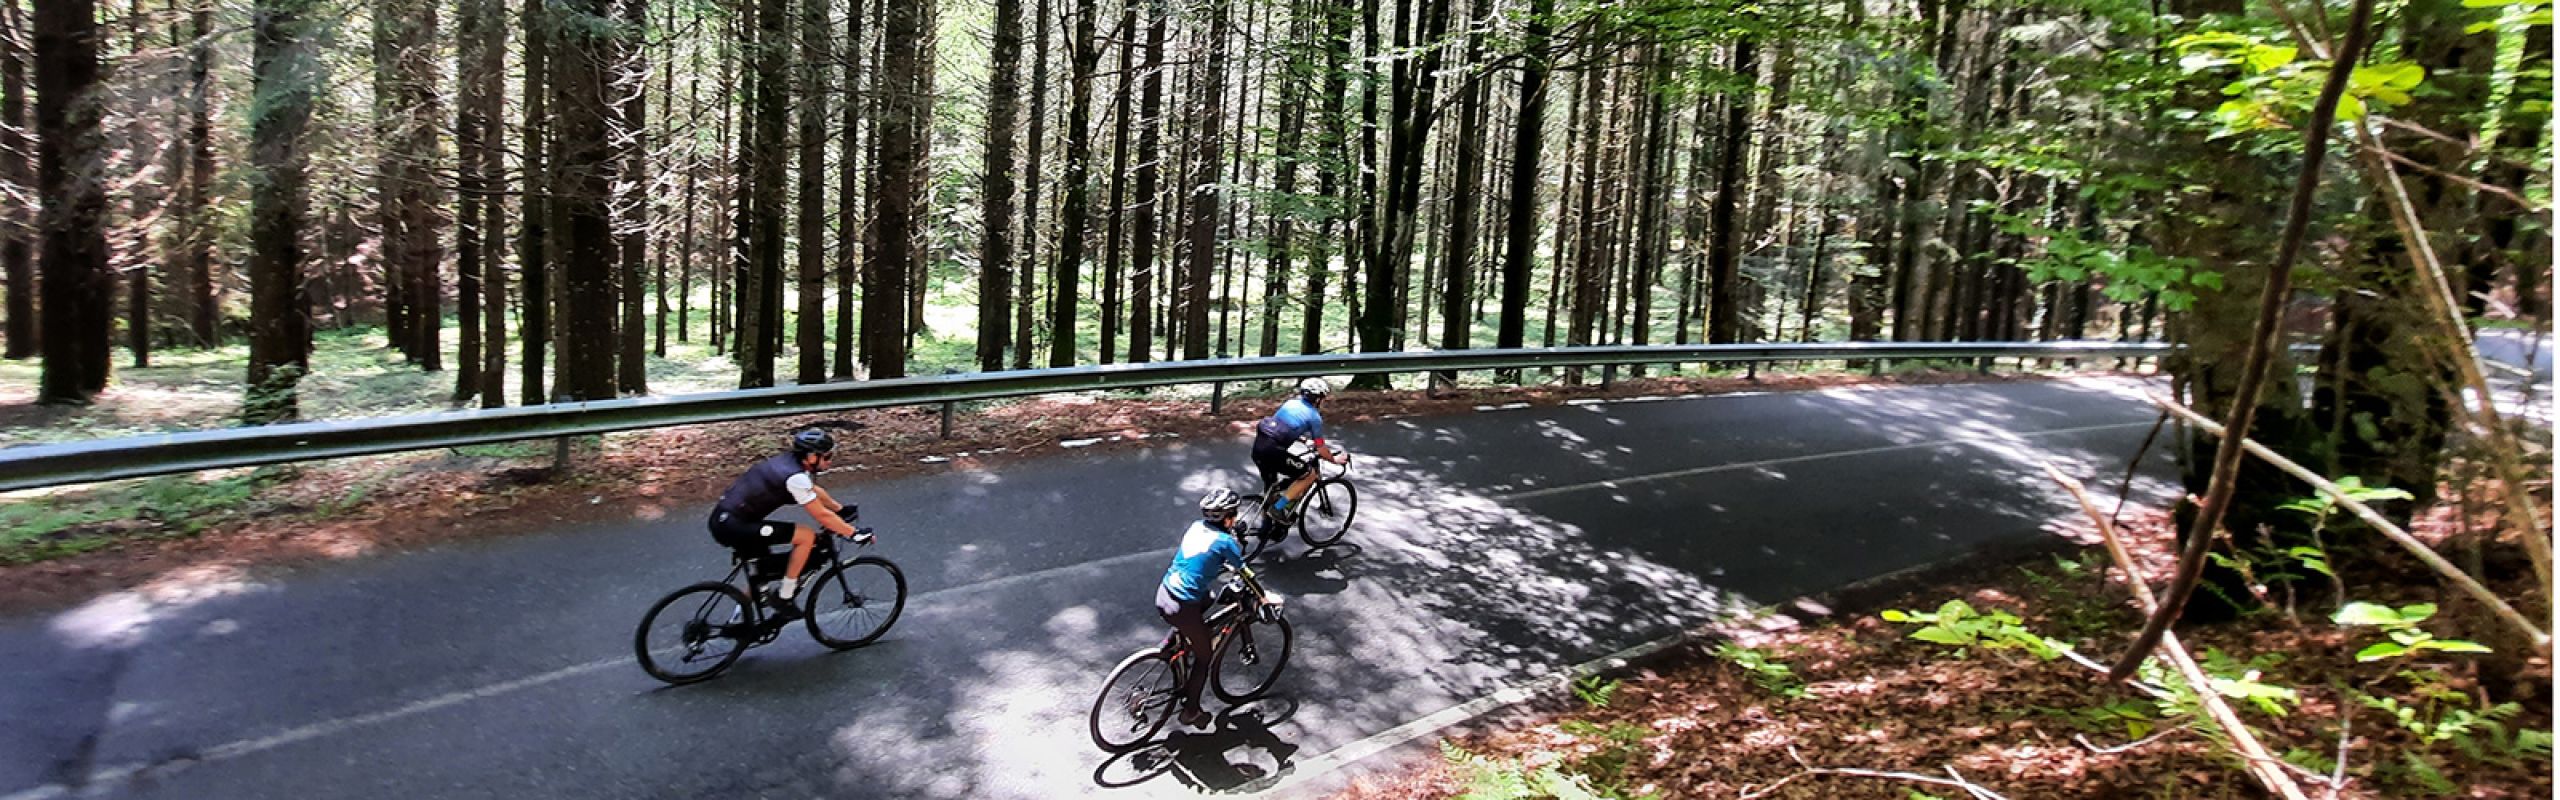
66	524
2401	627
2132	271
1958	625
2274	84
1597	776
2441	717
1771	675
2320	506
2136	717
1594	690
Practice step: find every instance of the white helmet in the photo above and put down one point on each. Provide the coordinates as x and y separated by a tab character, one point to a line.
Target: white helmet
1314	387
1219	503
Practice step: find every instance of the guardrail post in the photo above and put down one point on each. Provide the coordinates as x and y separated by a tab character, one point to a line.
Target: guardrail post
1608	375
1217	397
1751	371
946	420
1982	366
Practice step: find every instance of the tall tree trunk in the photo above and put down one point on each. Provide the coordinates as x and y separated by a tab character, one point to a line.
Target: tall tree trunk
649	195
1520	226
78	285
810	227
1456	323
1142	233
1336	147
1036	142
204	310
1111	302
532	247
1284	179
906	87
995	242
487	76
1653	190
470	133
16	226
584	89
759	279
1724	324
1202	211
1083	55
286	74
848	185
631	222
1693	227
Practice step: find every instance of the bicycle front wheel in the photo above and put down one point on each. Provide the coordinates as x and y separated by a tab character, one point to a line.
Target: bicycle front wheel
695	633
1327	513
1136	700
855	601
1250	659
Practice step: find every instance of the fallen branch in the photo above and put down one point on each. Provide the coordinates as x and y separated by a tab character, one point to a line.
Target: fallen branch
2460	579
1957	781
2264	338
2136	744
2483	413
2268	769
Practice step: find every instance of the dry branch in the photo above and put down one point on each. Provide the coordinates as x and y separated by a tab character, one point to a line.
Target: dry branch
1954	780
2264	337
2469	585
2268	769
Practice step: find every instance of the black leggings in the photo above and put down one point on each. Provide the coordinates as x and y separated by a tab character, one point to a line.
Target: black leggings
1275	463
1190	619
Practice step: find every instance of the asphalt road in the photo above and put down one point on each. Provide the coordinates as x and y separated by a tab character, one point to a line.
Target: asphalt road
1490	548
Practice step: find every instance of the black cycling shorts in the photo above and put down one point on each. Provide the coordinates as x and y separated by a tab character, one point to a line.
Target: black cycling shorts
1274	461
739	533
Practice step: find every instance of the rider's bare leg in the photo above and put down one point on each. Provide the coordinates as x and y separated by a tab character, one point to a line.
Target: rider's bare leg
801	539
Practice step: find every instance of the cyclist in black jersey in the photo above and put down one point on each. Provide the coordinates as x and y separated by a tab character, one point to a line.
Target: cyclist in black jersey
738	521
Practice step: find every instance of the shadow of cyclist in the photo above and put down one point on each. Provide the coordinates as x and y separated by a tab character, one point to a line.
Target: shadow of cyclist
1315	572
1238	754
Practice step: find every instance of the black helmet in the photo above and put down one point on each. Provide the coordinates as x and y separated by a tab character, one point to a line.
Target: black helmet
812	441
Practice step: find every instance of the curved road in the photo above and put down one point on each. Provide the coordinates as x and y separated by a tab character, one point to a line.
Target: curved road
1491	548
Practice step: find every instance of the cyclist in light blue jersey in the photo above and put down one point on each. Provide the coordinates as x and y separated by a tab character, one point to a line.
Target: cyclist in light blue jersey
1209	548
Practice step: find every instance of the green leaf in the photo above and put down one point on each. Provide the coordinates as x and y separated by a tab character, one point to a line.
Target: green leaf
2490	3
2351	108
2267	59
1941	635
2416	612
2379	651
2362	613
1895	615
2455	646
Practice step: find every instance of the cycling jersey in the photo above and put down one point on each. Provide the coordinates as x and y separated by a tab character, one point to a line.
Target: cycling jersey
1206	551
770	484
1296	419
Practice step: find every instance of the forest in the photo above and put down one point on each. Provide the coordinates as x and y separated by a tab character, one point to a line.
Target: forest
535	201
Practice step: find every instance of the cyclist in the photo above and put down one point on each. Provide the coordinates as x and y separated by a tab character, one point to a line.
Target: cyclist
738	521
1209	548
1274	436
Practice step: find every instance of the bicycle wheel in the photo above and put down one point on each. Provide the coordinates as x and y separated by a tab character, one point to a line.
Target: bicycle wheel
1327	512
853	602
1136	700
1252	514
695	633
1250	659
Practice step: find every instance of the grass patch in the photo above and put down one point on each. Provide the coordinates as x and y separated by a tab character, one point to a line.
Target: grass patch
58	525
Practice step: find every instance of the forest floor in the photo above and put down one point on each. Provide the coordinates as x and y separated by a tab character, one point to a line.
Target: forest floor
1758	712
61	546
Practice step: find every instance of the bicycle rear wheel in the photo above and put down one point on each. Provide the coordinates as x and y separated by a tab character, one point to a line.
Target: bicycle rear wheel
695	633
1327	512
1136	700
854	602
1250	659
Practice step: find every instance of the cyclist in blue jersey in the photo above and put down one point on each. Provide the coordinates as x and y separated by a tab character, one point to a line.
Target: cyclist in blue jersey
1274	436
738	521
1209	548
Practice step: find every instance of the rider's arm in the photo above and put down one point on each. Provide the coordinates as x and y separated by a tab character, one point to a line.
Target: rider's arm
820	507
828	499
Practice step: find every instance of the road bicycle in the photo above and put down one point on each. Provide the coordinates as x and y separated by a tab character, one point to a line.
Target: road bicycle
699	630
1249	641
1321	517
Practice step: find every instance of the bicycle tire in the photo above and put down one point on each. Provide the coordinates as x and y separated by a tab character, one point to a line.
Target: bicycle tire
1136	701
856	600
695	632
1250	672
1328	510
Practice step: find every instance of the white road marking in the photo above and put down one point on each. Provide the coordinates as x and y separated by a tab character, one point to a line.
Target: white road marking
1614	483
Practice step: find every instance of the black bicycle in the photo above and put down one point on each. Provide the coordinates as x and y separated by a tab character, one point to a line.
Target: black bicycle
1249	645
700	630
1321	517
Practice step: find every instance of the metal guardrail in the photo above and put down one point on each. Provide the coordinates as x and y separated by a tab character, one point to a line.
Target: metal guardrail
38	466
